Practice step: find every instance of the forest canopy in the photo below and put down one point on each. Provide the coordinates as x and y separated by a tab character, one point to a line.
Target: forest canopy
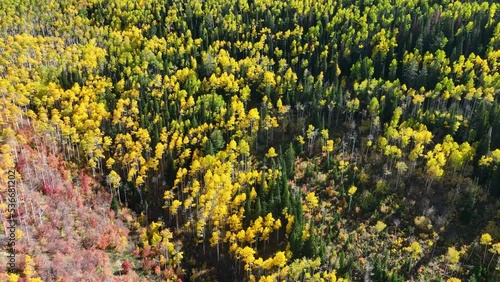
251	140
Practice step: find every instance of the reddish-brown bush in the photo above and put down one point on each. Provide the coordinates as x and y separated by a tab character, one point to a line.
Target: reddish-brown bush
126	266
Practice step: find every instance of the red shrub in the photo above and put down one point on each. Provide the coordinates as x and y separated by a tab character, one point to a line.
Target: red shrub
131	277
148	264
147	252
103	242
43	264
48	188
93	221
90	240
126	266
169	273
85	182
79	202
157	270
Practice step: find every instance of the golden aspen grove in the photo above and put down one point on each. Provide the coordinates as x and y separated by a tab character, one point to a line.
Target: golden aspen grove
249	140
